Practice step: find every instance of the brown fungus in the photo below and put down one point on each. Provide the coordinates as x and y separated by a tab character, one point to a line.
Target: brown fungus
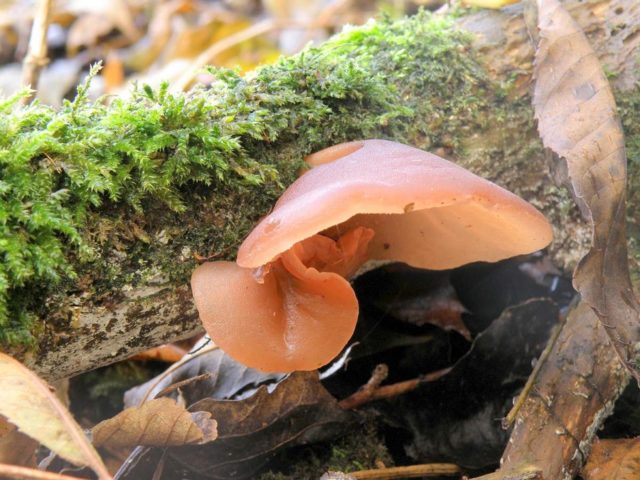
287	303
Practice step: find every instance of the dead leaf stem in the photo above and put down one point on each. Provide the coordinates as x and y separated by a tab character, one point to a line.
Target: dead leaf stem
256	30
36	57
412	471
15	472
368	394
203	350
507	421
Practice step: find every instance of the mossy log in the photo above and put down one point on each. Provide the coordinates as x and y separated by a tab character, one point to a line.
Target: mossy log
98	250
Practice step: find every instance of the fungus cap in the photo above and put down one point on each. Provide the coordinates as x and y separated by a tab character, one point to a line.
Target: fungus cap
425	211
287	304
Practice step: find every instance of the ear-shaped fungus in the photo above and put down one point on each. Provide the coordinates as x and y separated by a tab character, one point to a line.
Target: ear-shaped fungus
287	304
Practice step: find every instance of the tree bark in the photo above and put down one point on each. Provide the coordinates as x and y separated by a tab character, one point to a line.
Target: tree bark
85	332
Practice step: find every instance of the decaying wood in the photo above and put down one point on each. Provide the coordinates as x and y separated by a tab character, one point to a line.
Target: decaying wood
575	390
160	311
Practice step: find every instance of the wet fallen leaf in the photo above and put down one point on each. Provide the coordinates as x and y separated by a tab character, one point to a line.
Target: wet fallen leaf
577	120
297	411
157	423
27	402
617	459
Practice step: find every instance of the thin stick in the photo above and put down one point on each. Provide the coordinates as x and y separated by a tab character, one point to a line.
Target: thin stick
14	472
527	472
261	28
36	57
366	395
207	57
326	14
413	471
524	394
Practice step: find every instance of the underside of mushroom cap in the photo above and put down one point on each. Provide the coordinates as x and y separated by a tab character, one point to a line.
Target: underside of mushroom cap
425	211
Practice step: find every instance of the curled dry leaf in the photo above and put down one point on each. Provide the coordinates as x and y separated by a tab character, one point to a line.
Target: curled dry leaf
158	423
297	411
577	120
614	459
573	392
28	402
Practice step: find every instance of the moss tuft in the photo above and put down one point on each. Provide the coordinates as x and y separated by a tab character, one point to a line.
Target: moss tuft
96	197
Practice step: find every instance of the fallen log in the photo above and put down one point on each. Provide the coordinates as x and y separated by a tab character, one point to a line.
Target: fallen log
223	155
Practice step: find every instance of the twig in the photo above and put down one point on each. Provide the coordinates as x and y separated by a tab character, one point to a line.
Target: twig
413	471
326	14
527	472
208	56
261	28
513	413
36	57
367	394
14	472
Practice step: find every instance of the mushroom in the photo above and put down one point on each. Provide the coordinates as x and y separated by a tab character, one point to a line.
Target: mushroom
287	304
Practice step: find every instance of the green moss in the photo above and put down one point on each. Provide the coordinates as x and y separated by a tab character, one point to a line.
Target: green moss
96	198
363	449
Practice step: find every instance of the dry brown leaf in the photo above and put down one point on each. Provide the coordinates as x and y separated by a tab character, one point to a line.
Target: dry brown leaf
15	447
147	50
617	459
86	31
577	120
28	402
168	353
157	423
439	306
296	411
118	12
113	73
